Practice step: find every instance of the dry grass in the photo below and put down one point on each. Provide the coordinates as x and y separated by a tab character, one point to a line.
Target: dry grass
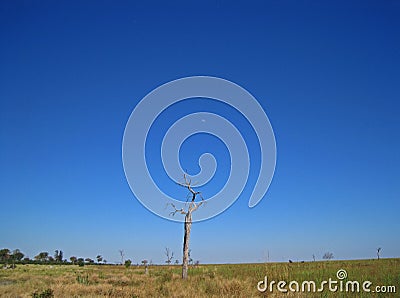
204	281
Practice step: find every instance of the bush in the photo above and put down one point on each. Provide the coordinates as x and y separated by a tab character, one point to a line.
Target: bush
48	293
128	263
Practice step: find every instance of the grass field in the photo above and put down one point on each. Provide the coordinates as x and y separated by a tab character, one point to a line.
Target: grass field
237	280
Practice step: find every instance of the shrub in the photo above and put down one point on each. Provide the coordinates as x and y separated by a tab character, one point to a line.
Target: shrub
81	263
128	263
48	293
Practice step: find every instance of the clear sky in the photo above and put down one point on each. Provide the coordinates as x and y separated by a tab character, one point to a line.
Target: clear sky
327	75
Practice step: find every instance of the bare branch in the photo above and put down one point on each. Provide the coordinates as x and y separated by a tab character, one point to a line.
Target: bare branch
188	184
181	211
201	196
196	206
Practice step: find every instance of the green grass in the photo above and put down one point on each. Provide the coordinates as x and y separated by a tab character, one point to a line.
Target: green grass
236	280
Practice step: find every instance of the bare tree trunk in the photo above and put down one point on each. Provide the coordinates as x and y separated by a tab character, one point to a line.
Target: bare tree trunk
186	238
188	223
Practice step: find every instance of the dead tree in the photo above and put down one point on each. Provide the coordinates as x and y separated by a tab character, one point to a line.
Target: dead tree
121	252
190	257
145	264
191	207
328	256
378	252
170	255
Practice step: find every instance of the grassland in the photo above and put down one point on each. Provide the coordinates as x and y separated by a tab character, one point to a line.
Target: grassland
237	280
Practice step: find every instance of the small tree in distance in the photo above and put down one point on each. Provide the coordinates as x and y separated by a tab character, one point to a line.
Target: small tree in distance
42	257
146	270
169	255
18	255
73	260
4	254
328	256
121	252
378	252
190	258
128	263
58	256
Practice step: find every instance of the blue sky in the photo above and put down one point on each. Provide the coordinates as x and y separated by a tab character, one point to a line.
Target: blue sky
327	75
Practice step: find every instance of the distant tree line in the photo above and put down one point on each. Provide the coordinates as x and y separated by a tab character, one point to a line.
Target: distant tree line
11	258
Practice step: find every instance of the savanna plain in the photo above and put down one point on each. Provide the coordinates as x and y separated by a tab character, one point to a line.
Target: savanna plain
226	280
